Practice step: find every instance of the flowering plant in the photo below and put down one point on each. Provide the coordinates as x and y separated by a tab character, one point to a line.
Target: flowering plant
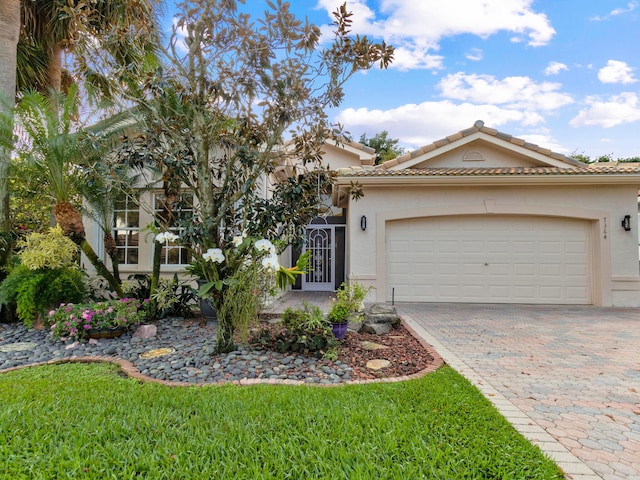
349	300
75	320
229	279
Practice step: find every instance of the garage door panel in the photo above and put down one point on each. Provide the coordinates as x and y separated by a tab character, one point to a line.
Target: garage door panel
504	259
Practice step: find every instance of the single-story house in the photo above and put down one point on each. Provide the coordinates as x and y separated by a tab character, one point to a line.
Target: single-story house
481	216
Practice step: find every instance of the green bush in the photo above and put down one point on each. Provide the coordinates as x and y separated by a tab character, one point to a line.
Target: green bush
34	292
47	250
305	331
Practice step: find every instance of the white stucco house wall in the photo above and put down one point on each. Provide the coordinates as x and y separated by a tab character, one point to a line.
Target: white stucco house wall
325	235
481	216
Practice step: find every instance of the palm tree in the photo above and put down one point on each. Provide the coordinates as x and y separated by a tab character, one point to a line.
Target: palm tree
57	152
119	34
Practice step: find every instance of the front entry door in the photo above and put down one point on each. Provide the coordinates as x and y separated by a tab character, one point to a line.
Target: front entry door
321	274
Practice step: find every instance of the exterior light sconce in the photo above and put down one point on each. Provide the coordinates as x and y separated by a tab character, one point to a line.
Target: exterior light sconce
363	222
626	223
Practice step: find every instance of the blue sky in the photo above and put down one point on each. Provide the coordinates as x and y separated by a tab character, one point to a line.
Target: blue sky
563	74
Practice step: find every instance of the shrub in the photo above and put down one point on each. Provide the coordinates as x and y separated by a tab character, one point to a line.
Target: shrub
46	276
47	250
305	331
173	297
74	320
35	292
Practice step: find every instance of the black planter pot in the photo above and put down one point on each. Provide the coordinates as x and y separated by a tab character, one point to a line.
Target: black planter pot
110	332
208	311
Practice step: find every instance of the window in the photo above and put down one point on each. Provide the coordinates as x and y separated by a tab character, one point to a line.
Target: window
126	229
173	254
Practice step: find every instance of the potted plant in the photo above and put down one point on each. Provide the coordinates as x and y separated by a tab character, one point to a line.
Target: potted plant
348	303
106	319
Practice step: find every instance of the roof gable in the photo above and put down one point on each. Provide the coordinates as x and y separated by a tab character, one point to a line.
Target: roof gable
480	147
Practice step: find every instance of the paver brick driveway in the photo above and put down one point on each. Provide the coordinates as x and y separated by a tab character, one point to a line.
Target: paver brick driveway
573	370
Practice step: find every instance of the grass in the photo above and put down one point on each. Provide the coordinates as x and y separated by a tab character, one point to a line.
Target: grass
86	421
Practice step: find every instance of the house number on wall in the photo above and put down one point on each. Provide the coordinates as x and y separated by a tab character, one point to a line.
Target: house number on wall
604	228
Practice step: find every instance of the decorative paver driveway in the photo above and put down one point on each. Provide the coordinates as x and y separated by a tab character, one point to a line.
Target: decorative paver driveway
573	371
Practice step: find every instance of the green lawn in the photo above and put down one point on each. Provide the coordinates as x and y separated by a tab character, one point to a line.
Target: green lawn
86	421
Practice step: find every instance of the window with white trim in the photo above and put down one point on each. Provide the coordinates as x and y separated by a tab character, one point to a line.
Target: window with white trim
172	253
126	229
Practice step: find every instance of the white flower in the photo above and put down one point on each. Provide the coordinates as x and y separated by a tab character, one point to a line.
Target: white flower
271	263
237	240
166	237
265	245
214	255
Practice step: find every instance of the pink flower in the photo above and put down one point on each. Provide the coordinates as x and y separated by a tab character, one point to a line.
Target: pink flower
52	313
87	327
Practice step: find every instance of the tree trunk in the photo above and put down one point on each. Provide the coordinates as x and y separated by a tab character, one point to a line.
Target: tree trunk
9	32
226	329
100	267
155	276
70	221
54	70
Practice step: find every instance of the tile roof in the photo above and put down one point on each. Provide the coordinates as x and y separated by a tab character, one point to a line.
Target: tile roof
599	169
478	126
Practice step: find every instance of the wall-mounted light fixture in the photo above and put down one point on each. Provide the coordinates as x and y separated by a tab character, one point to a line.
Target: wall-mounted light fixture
363	222
626	223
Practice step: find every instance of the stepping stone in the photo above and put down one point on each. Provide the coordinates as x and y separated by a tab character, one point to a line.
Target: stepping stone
378	364
372	346
18	347
157	352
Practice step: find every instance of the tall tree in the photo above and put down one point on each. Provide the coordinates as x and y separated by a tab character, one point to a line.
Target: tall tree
385	147
234	89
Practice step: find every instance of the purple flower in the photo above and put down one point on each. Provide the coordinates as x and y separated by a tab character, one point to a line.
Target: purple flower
87	327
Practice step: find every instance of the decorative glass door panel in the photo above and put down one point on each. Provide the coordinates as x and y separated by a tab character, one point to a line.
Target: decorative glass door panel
321	274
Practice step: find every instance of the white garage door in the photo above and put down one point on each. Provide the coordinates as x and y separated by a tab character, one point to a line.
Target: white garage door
489	259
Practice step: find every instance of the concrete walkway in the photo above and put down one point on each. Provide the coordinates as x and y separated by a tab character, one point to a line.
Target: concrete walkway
567	377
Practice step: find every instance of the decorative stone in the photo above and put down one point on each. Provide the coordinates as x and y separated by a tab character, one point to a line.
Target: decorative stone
355	322
372	346
18	347
376	328
379	319
93	341
378	364
146	331
157	352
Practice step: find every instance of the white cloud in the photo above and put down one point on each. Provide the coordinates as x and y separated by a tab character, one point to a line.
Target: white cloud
511	92
616	72
617	110
415	27
475	54
631	6
181	35
420	124
555	68
544	139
